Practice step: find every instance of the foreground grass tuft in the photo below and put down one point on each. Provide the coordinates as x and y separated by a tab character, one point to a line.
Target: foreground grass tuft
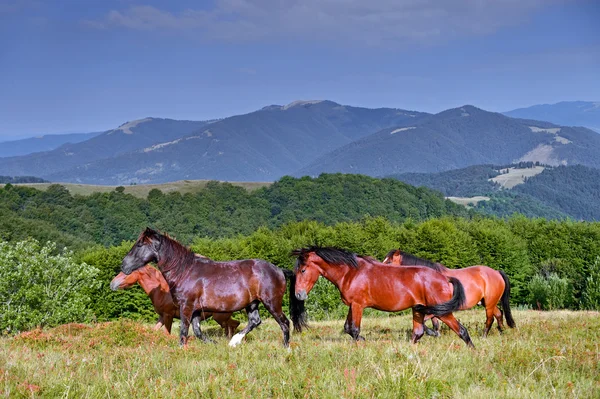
550	354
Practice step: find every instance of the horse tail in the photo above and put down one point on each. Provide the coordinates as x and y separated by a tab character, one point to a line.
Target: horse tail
297	311
455	303
506	301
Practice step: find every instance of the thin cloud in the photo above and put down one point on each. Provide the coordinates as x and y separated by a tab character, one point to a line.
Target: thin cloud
376	22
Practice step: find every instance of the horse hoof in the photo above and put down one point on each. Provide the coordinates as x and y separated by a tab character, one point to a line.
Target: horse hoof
432	333
236	340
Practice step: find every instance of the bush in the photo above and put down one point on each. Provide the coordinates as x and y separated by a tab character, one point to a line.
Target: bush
591	295
41	288
549	293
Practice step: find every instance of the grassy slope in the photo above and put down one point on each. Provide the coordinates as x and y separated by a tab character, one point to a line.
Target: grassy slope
142	190
551	354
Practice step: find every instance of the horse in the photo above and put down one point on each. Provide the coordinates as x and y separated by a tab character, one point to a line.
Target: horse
364	282
156	287
201	284
482	285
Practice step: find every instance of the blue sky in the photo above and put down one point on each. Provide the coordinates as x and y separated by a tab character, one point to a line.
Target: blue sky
90	65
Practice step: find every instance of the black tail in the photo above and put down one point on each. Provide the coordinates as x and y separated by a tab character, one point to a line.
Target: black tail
297	311
442	309
506	301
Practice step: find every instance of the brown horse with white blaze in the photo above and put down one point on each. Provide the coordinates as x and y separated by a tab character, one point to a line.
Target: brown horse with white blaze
201	284
482	285
364	282
155	286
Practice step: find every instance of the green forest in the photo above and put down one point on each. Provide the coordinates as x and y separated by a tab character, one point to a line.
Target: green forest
551	263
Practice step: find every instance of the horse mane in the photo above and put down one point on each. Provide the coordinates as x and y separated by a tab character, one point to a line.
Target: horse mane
410	260
331	255
390	254
174	257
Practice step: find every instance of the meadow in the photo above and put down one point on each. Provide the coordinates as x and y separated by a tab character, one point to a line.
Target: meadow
550	354
142	190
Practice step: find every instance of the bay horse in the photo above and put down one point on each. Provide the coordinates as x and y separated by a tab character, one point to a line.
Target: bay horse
364	282
482	285
155	286
201	284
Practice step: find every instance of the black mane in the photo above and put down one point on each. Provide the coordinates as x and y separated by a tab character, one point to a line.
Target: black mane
173	256
331	255
410	260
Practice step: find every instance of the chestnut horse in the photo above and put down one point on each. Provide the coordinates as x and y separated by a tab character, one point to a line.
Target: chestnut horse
482	284
201	284
364	282
155	286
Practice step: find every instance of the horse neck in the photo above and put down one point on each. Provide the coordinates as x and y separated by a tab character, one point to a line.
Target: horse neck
337	274
174	259
150	281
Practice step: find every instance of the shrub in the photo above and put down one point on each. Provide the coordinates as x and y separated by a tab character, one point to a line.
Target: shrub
549	293
41	288
591	295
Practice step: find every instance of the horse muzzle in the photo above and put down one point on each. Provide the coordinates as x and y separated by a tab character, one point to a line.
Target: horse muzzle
301	295
115	283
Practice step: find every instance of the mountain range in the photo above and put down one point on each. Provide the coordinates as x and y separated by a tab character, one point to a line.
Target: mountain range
307	138
46	142
566	113
536	191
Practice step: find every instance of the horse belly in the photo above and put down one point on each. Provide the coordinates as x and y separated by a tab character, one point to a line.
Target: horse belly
473	292
391	296
225	298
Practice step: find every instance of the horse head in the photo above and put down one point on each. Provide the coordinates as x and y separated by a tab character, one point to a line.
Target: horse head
394	257
145	250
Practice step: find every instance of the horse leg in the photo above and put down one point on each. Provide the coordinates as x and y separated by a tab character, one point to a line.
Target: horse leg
436	326
498	316
232	325
352	325
159	323
196	319
418	326
253	322
489	320
168	322
458	328
185	313
274	307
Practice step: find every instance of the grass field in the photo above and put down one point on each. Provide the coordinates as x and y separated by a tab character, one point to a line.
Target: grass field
142	190
550	354
516	176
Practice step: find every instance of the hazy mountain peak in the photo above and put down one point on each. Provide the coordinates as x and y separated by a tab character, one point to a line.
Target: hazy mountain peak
127	126
299	103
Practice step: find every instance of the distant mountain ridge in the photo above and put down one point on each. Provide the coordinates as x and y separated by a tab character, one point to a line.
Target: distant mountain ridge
46	142
566	113
260	146
457	138
128	137
307	138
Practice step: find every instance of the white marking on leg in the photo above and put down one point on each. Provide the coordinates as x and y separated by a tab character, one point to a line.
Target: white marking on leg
237	339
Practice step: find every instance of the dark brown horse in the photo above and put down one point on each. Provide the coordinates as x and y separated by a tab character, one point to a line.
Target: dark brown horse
482	285
155	286
201	284
364	282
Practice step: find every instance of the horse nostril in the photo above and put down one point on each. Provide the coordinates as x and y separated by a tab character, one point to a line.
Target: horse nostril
301	296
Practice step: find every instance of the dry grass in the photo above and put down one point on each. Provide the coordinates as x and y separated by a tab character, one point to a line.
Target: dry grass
468	201
516	176
142	190
551	354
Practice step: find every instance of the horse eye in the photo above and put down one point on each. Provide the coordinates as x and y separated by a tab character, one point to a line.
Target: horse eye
303	271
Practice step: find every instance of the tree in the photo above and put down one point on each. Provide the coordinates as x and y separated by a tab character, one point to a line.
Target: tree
39	288
591	295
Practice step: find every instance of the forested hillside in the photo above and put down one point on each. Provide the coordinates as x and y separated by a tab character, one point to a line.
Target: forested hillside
220	210
557	192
